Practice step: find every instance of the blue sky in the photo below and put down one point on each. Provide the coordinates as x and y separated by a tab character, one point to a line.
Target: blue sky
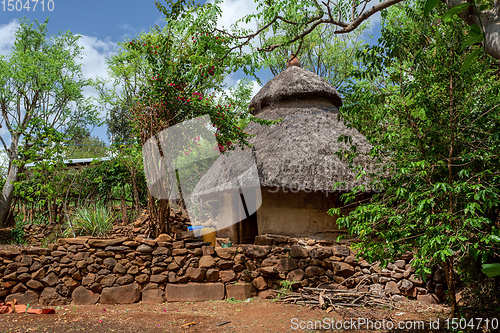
102	24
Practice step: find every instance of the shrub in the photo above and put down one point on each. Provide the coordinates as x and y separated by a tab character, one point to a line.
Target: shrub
91	221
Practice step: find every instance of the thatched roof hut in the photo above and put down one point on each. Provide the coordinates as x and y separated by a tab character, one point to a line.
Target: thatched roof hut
296	155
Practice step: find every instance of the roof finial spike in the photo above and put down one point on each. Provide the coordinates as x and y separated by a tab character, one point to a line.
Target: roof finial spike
294	61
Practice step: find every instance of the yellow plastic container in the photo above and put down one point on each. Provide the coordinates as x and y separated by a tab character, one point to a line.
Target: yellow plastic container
208	235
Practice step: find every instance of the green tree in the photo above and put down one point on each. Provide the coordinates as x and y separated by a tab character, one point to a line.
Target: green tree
87	147
40	98
439	130
175	74
294	20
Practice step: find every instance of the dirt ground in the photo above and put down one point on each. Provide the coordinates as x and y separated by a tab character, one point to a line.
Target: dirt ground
255	315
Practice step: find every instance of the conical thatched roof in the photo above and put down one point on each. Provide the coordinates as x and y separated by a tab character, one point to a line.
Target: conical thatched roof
294	83
299	152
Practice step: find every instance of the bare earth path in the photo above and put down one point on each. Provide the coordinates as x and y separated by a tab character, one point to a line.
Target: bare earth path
257	315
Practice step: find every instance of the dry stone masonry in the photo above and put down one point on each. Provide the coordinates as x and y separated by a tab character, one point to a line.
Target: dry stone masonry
128	270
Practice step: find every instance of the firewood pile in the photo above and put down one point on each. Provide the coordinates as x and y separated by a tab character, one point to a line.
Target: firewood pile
330	299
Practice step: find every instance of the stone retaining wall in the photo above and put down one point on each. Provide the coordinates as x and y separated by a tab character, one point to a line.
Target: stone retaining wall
126	270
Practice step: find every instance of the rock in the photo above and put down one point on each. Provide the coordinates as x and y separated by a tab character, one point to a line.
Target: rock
257	251
240	259
159	278
416	281
397	276
160	251
131	243
270	271
83	296
144	248
194	292
108	280
263	240
405	285
196	274
193	245
391	288
34	284
351	260
206	262
106	242
180	260
267	294
227	276
341	251
314	271
29	297
39	251
119	269
240	291
50	280
260	283
157	270
153	296
320	252
62	290
296	275
212	275
164	238
225	264
88	279
343	269
429	299
117	248
439	276
227	253
297	251
127	294
134	270
400	264
179	252
208	250
125	279
287	264
72	241
24	277
384	279
439	289
19	288
398	298
109	263
50	297
377	289
143	278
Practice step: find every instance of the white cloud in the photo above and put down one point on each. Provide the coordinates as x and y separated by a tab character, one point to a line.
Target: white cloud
233	10
8	36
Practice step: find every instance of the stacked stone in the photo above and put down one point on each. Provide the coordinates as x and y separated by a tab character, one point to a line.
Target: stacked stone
33	233
126	270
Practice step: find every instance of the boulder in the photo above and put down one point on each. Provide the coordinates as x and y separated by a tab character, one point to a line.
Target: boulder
227	276
83	296
343	269
29	297
206	262
127	294
314	271
196	274
240	291
260	283
194	292
153	296
50	297
296	275
297	251
227	253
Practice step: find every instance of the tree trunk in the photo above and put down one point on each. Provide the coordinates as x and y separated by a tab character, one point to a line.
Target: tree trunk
7	193
450	280
124	211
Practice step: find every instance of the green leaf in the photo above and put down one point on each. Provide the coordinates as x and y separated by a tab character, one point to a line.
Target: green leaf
469	60
455	10
429	5
491	270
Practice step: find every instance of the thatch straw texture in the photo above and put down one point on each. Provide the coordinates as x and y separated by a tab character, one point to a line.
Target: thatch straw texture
297	154
294	83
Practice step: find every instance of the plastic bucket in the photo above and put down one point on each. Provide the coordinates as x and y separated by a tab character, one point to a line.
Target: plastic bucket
208	235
